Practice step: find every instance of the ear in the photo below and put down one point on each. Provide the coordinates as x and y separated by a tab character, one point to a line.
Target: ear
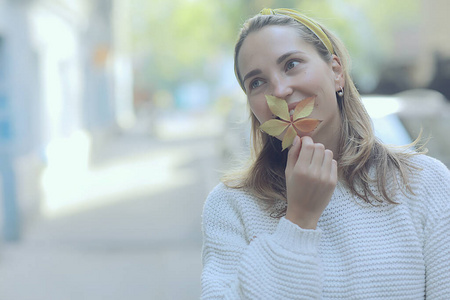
338	71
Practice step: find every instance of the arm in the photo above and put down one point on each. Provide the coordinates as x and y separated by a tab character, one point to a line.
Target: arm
281	265
437	235
437	259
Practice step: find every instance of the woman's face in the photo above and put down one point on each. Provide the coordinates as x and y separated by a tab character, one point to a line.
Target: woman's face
277	61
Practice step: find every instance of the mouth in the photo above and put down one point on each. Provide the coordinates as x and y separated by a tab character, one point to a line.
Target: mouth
291	108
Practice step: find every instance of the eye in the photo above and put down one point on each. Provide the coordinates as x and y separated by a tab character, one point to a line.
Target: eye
256	83
291	64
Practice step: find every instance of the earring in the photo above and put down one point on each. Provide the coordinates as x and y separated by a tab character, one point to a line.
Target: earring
341	92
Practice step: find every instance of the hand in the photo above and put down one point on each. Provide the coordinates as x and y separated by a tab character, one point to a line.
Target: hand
311	177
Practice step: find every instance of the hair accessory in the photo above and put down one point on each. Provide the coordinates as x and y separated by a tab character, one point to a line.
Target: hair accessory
341	92
267	11
312	25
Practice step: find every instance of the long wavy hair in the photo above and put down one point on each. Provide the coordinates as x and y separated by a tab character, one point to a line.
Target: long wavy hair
360	152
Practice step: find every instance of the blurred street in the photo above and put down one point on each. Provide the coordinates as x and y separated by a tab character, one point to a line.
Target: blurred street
117	118
143	242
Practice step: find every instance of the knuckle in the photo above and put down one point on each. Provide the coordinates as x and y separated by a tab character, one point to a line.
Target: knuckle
307	139
308	147
300	172
328	152
329	182
326	178
326	181
319	146
315	177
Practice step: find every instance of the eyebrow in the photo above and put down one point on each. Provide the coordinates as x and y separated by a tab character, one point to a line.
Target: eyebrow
286	55
251	73
279	61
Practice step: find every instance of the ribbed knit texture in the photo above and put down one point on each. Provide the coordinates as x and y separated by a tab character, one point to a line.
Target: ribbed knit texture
359	251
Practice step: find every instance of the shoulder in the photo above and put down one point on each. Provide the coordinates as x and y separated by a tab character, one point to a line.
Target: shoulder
225	198
431	184
430	171
428	161
237	211
225	207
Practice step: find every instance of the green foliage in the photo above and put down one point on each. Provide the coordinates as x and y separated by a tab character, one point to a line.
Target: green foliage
178	37
369	29
181	39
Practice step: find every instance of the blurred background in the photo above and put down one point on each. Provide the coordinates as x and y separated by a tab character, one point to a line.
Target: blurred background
117	117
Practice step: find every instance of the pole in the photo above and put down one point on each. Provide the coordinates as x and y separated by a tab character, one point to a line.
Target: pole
11	227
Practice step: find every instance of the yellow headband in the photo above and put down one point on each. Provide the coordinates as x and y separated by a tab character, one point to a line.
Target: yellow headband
313	26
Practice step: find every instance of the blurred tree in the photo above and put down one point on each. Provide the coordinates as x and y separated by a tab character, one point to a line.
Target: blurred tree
369	29
176	41
179	40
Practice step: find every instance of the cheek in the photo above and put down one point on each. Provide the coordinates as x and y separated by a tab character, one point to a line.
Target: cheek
317	81
261	110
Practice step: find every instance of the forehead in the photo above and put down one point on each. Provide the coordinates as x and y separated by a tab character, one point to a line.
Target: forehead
267	44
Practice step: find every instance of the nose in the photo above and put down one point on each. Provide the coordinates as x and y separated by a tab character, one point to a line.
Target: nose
281	88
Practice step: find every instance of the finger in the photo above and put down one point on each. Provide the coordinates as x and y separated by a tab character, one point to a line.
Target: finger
318	156
334	175
306	153
327	161
293	154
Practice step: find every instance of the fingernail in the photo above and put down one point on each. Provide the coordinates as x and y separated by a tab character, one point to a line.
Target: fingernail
296	140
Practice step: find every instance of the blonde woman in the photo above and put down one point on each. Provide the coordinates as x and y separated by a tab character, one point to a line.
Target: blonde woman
338	215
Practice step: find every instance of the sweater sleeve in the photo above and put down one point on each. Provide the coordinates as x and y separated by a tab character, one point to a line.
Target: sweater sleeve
281	265
437	233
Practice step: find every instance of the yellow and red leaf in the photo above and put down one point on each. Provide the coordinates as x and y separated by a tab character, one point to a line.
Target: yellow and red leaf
278	107
304	108
288	138
298	124
274	127
306	125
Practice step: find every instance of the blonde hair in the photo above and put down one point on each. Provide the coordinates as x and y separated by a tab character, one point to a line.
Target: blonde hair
359	149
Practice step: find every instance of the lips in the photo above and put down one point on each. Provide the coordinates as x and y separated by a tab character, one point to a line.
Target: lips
292	106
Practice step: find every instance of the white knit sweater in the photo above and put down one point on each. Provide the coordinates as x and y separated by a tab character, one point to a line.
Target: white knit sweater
359	251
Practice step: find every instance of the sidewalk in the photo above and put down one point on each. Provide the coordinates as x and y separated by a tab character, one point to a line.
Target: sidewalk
130	239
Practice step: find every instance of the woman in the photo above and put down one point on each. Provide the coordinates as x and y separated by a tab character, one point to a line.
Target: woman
337	215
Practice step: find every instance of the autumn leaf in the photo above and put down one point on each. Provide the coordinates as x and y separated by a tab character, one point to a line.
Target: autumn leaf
293	125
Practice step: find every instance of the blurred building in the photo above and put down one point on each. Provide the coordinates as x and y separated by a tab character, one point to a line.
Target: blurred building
63	88
421	56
